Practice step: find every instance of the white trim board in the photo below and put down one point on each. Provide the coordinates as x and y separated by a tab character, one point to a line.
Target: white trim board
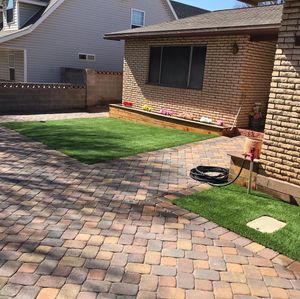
172	9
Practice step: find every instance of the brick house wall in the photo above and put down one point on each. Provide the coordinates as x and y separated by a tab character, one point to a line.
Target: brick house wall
230	81
257	75
281	150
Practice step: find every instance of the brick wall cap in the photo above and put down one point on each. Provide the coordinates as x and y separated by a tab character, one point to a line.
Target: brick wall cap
23	85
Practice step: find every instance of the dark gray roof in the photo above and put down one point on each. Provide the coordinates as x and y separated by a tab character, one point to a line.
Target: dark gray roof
35	17
231	20
183	10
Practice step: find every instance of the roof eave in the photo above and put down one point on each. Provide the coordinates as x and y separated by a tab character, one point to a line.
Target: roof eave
267	29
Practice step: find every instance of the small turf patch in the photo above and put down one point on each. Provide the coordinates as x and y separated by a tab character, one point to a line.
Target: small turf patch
94	140
233	208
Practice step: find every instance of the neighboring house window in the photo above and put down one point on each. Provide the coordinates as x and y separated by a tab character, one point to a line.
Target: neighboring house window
12	67
87	57
137	18
9	11
177	66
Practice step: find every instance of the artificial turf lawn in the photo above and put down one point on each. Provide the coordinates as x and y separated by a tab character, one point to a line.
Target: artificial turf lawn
233	208
95	140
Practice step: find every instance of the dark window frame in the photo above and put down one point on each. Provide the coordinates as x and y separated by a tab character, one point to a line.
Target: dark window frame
192	47
9	11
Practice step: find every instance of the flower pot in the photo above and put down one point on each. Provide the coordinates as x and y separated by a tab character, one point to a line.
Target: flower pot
256	124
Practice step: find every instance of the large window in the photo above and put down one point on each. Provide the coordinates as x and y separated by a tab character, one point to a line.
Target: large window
137	18
9	11
177	66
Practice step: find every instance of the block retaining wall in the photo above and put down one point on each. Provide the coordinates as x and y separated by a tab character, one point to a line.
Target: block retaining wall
22	98
120	112
84	89
103	88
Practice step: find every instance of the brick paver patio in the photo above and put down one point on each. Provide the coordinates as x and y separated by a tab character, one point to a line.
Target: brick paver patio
69	230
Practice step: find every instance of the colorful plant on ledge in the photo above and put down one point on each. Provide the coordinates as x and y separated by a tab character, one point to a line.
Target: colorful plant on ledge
127	104
147	108
186	115
220	122
167	112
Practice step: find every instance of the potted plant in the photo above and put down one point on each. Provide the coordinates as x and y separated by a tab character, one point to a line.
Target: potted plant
256	118
127	104
147	108
186	115
167	112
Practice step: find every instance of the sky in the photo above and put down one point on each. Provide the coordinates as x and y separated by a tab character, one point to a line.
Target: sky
212	4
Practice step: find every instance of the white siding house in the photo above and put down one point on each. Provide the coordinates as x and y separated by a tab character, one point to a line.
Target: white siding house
44	36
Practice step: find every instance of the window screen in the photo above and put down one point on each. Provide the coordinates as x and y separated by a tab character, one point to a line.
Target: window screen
177	66
197	67
82	56
91	57
11	61
154	70
137	18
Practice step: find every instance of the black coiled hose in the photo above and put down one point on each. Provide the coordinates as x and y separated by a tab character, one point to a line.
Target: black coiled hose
218	179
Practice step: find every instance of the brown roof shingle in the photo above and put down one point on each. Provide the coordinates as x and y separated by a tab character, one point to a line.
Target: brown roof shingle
254	18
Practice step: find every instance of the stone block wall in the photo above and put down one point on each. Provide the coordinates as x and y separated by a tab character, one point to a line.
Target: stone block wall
22	98
82	90
103	88
281	150
226	84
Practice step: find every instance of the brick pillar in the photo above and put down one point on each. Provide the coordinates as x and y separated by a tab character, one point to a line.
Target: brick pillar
281	150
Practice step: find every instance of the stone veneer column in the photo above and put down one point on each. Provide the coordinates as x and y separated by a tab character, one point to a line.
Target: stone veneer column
281	150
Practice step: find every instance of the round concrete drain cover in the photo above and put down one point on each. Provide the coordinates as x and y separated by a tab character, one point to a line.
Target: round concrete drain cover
266	224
